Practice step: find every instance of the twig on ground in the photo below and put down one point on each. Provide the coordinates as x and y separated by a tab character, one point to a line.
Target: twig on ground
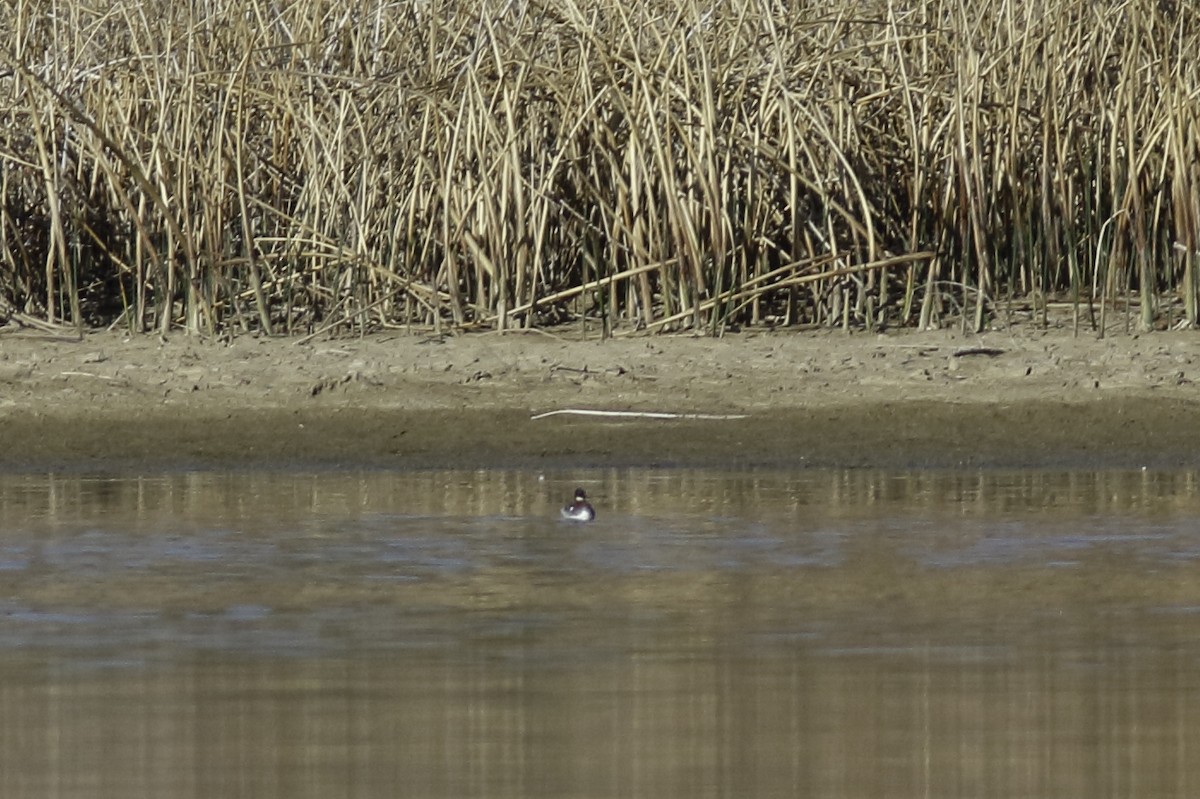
638	414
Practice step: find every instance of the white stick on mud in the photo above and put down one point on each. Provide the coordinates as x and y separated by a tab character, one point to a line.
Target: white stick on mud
638	414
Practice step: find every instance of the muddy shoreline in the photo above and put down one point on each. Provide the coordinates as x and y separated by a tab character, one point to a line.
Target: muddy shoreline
1016	397
1107	433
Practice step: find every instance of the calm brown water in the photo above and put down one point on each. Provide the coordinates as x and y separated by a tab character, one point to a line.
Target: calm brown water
835	634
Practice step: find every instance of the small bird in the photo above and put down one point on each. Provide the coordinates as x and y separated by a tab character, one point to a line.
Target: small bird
580	510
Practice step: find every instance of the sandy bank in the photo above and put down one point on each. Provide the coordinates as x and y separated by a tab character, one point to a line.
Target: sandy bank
1016	397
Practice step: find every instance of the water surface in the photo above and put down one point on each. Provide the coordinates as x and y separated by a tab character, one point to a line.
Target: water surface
444	634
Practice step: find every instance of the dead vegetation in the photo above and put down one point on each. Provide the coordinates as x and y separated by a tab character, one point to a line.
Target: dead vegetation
236	165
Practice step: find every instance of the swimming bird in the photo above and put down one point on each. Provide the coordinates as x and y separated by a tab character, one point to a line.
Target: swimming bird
580	510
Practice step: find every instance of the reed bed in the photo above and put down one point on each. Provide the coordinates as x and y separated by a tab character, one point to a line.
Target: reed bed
311	165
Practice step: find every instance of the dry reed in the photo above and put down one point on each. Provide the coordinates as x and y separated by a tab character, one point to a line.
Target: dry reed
238	164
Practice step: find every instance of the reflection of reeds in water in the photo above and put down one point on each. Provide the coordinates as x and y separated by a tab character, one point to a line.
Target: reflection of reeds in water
659	164
270	500
829	540
691	705
274	642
